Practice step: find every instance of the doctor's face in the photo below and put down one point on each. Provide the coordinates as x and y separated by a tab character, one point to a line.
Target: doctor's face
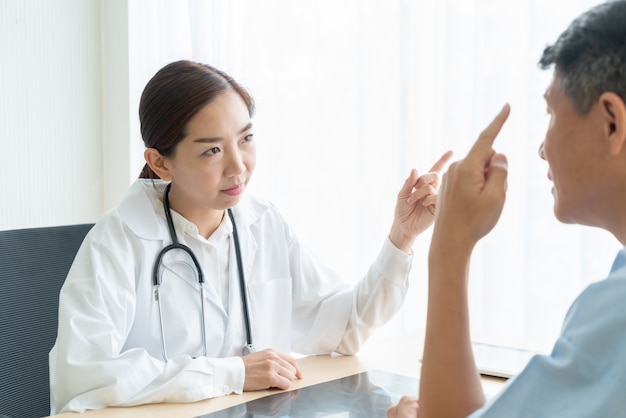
214	162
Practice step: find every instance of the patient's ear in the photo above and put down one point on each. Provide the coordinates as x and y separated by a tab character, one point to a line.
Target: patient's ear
157	163
613	111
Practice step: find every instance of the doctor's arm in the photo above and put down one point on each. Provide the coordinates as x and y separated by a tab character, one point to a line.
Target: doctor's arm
415	206
378	296
470	203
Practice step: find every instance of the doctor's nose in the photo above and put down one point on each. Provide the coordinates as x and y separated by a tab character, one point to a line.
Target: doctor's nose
235	164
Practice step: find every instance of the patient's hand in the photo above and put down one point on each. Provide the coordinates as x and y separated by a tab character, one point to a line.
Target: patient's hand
406	408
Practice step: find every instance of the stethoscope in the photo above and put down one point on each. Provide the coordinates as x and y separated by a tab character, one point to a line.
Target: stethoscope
175	245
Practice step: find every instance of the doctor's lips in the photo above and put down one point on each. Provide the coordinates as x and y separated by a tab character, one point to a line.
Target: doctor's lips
234	191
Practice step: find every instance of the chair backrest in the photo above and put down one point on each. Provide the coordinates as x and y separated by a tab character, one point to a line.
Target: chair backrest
33	266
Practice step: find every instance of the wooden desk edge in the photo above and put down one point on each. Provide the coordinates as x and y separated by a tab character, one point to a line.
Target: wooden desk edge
396	354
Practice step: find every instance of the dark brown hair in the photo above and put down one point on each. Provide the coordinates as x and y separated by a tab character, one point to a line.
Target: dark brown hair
173	96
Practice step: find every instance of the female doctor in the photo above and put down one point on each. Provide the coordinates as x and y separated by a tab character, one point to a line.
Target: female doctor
190	289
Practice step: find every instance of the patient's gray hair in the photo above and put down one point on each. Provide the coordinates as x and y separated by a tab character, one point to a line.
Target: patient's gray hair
590	55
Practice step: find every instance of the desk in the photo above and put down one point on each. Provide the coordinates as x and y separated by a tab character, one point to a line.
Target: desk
398	355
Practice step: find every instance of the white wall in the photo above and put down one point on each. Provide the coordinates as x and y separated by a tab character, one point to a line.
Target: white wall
66	115
50	107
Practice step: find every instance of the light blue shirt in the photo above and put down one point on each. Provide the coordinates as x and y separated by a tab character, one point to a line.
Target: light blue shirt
585	375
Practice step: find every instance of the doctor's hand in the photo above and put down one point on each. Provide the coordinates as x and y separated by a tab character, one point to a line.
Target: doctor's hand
416	204
269	369
407	408
473	192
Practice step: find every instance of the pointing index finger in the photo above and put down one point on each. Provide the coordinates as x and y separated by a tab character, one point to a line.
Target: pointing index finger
438	166
482	146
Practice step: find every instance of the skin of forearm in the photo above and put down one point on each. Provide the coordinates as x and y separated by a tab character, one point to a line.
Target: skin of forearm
401	241
449	384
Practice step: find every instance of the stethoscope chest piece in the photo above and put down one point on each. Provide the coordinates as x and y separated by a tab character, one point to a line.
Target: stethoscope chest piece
248	349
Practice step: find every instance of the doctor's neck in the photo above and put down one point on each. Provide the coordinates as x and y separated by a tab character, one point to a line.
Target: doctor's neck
206	220
208	228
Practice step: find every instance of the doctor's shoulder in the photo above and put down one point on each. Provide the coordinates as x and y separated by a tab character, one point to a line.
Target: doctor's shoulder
134	220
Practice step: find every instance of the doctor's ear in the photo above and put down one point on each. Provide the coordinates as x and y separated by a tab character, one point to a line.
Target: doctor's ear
157	163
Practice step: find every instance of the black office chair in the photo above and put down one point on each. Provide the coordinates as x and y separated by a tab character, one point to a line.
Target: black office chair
33	266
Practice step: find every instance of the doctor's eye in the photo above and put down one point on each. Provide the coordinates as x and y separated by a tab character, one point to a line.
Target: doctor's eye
248	138
212	151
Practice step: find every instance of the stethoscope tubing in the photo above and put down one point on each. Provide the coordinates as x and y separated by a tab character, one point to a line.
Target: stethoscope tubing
242	283
175	245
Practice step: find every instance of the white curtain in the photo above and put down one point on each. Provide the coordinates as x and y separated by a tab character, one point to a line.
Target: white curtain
351	95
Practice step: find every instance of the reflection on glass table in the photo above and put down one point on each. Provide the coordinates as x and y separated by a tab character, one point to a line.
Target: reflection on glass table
363	395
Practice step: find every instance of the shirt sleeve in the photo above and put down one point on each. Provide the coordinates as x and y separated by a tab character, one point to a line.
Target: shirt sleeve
585	375
330	316
377	297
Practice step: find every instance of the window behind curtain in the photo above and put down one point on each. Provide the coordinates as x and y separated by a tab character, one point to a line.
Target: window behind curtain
351	95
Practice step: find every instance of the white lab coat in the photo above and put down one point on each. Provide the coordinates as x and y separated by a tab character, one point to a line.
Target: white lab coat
108	347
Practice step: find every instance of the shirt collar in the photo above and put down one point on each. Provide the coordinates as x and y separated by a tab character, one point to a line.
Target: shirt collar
186	227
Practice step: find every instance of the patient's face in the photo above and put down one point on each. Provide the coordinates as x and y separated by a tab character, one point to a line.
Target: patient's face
574	152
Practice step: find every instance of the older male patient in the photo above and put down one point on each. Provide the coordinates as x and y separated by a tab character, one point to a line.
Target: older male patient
585	148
